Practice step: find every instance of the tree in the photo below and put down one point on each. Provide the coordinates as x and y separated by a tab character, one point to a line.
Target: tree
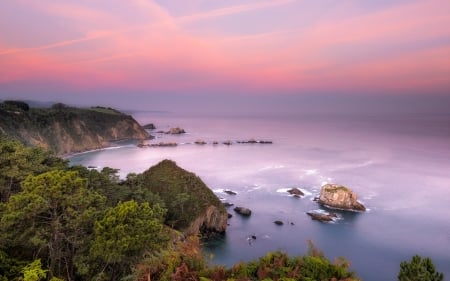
124	234
18	161
52	218
419	269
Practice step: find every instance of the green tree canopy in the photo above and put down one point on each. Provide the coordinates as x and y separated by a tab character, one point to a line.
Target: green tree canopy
419	269
124	234
17	161
51	218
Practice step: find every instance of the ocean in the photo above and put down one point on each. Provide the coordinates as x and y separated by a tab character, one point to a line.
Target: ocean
399	165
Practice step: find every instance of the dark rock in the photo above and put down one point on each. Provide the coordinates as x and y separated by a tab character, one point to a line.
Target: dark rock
228	204
253	237
227	142
340	197
322	216
277	222
230	215
200	142
229	192
243	211
149	126
215	142
296	192
163	144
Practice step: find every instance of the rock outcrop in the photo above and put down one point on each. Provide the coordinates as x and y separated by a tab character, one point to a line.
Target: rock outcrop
66	130
243	211
176	131
149	126
340	197
326	217
295	192
192	207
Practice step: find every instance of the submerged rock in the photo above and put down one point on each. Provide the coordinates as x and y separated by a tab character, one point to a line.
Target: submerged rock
340	197
243	211
277	222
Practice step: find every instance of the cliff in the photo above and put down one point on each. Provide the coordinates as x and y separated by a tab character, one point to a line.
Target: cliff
64	129
192	207
340	197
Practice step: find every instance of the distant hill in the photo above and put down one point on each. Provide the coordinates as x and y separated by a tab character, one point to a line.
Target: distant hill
65	129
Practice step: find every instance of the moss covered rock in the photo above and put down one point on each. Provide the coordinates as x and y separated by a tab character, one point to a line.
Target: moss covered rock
192	207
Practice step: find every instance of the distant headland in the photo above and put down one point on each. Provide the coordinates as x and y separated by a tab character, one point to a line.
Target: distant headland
64	129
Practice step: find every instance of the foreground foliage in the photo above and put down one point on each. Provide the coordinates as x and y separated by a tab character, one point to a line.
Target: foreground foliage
73	223
419	269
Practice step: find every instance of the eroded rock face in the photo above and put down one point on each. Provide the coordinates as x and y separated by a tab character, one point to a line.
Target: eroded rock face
213	220
66	130
341	197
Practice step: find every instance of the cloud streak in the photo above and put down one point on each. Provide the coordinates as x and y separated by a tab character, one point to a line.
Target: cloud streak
141	45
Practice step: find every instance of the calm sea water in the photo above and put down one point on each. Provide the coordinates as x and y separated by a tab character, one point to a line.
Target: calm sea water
398	165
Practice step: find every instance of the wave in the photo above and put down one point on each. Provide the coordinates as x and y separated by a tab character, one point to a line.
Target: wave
272	167
353	166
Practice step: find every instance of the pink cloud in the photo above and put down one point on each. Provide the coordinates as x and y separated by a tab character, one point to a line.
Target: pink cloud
161	54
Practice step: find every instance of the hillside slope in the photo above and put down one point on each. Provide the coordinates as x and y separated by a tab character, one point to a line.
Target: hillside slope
64	129
192	207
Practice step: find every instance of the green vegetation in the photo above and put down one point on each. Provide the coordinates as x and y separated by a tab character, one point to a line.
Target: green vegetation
185	194
419	269
73	223
107	110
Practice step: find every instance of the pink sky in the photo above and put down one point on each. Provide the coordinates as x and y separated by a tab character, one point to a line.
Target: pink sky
280	47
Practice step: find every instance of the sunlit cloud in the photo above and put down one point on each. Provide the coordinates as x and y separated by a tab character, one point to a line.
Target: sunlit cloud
142	45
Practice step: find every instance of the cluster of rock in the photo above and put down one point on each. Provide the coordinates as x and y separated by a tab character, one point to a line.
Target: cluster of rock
251	141
174	131
160	144
198	142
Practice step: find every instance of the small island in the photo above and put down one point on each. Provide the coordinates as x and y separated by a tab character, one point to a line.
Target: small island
340	197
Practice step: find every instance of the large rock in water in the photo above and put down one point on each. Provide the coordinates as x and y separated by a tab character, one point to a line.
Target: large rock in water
192	207
340	197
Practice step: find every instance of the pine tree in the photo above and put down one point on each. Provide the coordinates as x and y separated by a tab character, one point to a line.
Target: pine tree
419	269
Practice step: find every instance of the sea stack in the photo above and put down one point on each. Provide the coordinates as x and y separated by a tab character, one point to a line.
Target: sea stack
340	197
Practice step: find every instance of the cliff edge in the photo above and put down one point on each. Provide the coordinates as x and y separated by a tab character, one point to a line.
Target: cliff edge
192	207
64	130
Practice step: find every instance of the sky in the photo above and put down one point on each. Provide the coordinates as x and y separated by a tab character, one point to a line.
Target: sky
293	55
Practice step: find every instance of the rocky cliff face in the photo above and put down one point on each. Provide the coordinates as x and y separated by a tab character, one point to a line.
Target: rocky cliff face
341	197
192	207
67	130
